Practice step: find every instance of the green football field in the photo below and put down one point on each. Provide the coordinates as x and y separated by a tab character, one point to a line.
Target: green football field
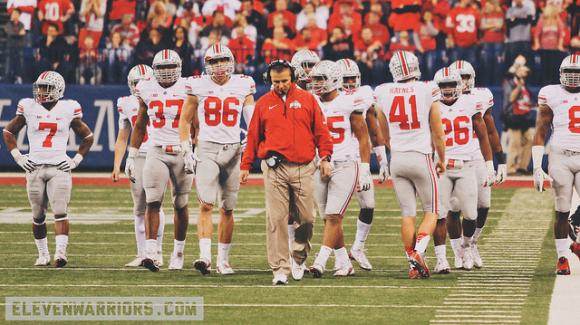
514	286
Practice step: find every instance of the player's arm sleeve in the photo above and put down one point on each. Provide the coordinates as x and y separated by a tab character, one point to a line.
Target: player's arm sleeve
20	107
77	110
124	122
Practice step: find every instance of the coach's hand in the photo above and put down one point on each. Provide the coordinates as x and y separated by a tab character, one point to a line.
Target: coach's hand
69	164
130	163
22	160
325	168
244	176
539	177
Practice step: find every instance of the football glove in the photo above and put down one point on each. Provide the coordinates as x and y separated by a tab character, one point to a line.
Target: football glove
69	164
539	177
501	175
130	163
384	172
490	180
364	177
23	161
190	159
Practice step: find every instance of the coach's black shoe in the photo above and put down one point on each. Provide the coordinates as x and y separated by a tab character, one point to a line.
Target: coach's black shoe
203	266
150	265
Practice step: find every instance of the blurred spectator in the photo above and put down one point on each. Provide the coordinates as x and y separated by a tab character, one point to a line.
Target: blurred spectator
54	12
519	19
158	12
339	46
279	47
249	30
128	31
242	47
218	25
288	17
549	42
92	14
229	7
148	47
493	28
575	44
88	71
380	31
183	48
346	18
320	14
463	24
403	44
26	8
369	53
517	118
116	59
253	17
214	37
405	16
52	52
306	40
119	8
278	22
15	41
428	55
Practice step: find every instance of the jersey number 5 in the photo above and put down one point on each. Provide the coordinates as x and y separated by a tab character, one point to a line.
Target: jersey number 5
336	133
51	127
398	113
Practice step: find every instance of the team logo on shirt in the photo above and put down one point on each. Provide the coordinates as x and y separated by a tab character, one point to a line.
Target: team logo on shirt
295	104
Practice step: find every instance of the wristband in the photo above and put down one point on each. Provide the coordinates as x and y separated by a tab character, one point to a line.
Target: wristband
133	152
537	156
186	146
77	158
500	157
15	153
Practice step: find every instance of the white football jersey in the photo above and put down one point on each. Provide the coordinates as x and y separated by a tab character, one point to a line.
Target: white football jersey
128	107
164	109
407	107
566	122
337	113
485	97
219	109
364	98
48	131
458	126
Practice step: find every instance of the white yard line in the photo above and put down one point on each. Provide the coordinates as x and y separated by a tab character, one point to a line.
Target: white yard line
499	286
564	304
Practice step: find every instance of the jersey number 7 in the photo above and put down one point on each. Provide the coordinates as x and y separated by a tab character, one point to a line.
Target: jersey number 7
51	127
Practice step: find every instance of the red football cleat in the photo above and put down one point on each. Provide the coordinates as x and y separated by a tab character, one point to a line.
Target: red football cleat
419	264
413	274
563	268
575	248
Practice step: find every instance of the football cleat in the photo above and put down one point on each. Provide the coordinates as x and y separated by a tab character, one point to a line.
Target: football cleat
442	266
202	265
42	260
419	264
575	248
316	270
224	268
138	261
60	259
360	257
297	270
280	279
175	263
563	268
413	274
467	258
477	262
159	259
458	263
150	265
345	270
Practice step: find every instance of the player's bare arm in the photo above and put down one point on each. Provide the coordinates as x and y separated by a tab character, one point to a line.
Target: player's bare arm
481	132
138	133
188	122
437	136
375	133
383	127
360	131
492	133
120	148
543	124
11	130
82	130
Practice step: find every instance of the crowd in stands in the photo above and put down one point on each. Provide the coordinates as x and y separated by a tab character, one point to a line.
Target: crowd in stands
98	41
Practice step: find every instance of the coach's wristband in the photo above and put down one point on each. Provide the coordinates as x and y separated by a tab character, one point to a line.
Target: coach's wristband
15	153
133	152
537	156
500	157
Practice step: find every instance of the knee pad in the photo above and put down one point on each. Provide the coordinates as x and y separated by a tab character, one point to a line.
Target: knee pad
366	216
454	215
180	200
38	220
562	216
60	217
154	205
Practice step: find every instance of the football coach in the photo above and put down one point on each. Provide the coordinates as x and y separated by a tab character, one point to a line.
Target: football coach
286	129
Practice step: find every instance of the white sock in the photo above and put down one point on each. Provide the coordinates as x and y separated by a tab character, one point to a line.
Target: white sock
140	235
160	231
61	243
205	248
151	248
178	246
456	246
422	243
467	241
476	234
341	256
562	247
42	246
362	232
323	255
223	254
291	236
441	252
